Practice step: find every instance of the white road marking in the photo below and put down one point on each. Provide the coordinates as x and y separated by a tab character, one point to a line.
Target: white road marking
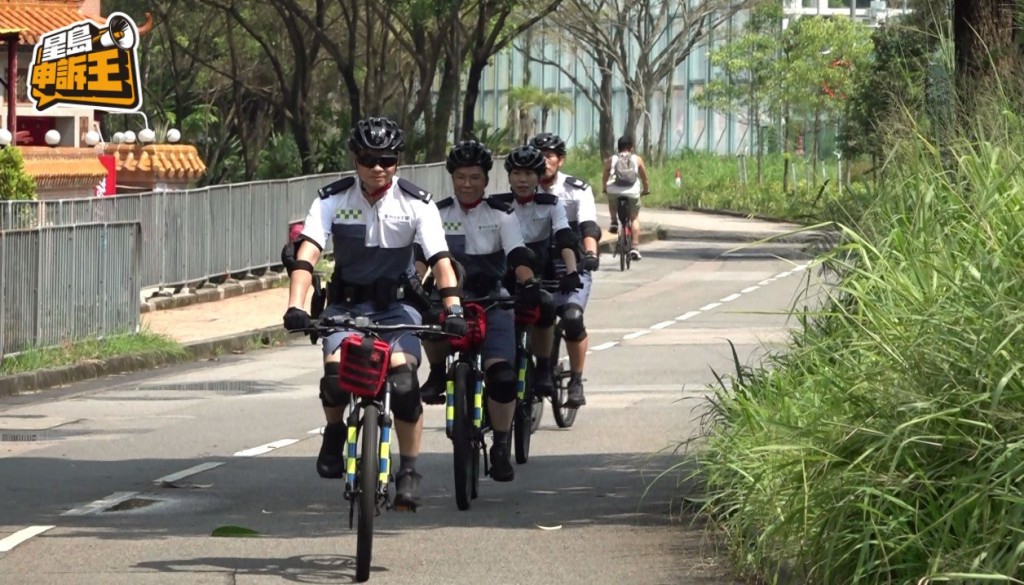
766	281
783	274
315	431
687	315
100	505
8	544
709	306
749	289
262	449
605	346
188	472
731	297
636	334
663	324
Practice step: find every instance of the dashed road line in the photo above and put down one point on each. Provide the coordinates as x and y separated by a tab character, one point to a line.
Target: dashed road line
263	449
708	307
188	472
8	544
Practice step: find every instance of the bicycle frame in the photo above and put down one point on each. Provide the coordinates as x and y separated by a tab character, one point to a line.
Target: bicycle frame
384	444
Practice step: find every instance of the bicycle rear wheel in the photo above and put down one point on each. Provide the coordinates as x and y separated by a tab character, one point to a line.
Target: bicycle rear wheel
564	416
462	436
369	466
623	251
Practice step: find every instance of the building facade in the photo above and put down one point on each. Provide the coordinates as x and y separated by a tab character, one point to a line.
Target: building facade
688	126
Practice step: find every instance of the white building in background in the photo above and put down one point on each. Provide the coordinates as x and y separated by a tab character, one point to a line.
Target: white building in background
690	127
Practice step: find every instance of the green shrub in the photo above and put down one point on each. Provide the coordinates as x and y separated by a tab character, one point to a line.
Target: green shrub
15	184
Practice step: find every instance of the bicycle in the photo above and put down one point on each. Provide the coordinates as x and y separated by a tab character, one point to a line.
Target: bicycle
624	243
466	421
365	361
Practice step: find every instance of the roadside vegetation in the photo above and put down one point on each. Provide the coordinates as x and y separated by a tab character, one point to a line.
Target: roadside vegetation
883	444
89	350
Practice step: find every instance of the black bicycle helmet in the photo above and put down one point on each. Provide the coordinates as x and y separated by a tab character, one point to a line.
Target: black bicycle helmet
376	133
548	141
469	153
525	157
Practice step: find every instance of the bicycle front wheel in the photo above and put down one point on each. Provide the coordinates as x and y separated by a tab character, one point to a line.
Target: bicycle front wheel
369	466
522	424
462	435
564	415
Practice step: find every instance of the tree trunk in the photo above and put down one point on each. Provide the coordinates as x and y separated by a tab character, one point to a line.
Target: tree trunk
437	135
476	73
759	141
983	33
606	123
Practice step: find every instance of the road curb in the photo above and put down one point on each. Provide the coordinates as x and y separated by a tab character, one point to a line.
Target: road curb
607	243
26	382
803	236
219	293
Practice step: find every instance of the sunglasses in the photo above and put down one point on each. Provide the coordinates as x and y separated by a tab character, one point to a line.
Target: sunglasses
369	161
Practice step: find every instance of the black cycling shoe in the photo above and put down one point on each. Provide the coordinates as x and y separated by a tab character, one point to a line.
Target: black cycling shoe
501	464
613	228
576	398
330	464
407	489
433	388
543	384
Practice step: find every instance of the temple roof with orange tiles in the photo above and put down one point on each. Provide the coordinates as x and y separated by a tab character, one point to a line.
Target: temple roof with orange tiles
34	18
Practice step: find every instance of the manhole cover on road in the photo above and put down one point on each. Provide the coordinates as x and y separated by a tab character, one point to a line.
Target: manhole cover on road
232	386
132	504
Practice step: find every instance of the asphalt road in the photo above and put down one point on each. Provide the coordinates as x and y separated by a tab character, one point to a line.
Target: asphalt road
81	499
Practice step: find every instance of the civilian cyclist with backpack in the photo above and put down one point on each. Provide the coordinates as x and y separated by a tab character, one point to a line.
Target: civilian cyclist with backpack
623	174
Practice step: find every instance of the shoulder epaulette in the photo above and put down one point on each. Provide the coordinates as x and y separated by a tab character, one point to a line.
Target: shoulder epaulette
577	183
446	202
545	198
506	198
499	203
339	186
412	190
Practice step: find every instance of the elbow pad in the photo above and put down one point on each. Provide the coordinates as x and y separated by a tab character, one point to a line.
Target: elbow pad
590	229
522	256
566	239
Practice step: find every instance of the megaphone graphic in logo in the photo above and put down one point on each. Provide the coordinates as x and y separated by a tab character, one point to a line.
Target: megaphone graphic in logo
120	33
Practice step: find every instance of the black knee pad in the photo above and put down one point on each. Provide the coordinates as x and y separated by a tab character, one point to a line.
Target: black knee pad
547	310
501	382
405	394
331	393
572	323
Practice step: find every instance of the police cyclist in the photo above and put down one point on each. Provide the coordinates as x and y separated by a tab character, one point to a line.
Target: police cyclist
578	198
546	231
484	237
373	219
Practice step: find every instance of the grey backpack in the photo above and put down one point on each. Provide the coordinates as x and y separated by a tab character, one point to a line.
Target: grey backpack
625	170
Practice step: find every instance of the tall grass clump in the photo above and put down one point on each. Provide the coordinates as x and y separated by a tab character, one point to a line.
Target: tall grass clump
886	444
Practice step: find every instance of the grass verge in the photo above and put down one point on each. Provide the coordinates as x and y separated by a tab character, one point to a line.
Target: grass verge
91	349
886	443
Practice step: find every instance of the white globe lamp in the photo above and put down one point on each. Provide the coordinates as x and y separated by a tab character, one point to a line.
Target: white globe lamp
173	135
147	136
6	138
92	138
129	137
52	137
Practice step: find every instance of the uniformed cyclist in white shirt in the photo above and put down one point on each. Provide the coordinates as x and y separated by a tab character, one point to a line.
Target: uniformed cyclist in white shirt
373	219
484	237
581	210
546	232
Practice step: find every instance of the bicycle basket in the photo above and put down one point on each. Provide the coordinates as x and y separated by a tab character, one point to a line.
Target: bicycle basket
476	324
364	365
